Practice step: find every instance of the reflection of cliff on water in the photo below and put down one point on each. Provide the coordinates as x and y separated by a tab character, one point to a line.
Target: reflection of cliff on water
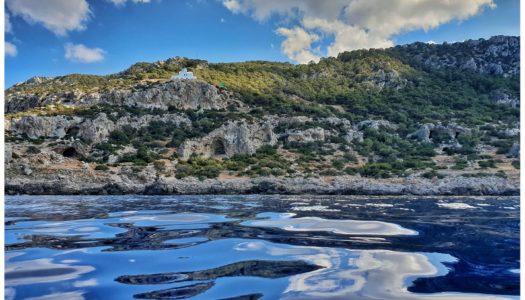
258	268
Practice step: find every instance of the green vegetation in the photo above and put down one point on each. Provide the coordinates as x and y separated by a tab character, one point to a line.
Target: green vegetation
388	84
101	168
264	162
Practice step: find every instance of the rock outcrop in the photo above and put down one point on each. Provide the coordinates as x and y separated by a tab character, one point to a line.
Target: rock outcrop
498	55
502	97
389	79
514	150
306	136
90	130
235	137
178	94
426	132
376	124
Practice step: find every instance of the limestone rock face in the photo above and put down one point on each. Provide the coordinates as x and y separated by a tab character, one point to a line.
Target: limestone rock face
391	79
425	132
8	153
498	55
41	126
509	132
514	150
422	133
502	97
96	130
238	137
375	124
306	136
91	131
179	94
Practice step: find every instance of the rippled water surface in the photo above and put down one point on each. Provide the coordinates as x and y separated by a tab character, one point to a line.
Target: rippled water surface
261	247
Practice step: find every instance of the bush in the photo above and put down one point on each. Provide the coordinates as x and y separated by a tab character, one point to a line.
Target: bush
32	150
101	168
484	164
432	174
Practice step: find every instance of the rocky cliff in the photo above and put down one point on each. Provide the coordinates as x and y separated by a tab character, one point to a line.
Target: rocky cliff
417	119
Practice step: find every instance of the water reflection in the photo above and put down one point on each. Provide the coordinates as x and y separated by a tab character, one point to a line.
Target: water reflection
252	247
42	270
350	227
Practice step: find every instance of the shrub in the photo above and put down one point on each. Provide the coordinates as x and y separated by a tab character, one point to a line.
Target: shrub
484	164
101	168
432	174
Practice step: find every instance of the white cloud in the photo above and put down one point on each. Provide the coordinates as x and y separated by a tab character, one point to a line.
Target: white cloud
355	24
123	2
396	16
346	37
83	54
10	49
297	44
8	26
232	5
59	16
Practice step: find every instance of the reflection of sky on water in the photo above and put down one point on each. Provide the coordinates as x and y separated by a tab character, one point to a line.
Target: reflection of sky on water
181	218
42	270
349	227
380	248
348	274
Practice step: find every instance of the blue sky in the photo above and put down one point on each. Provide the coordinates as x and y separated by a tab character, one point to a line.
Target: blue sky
107	36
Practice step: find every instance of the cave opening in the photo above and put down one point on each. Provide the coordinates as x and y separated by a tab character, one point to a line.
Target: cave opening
219	148
70	152
73	131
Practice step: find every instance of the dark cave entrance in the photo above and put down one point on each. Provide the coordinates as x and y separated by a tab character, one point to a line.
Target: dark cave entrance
73	131
70	152
218	148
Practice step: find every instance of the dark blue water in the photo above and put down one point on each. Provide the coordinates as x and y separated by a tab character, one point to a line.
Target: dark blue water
261	247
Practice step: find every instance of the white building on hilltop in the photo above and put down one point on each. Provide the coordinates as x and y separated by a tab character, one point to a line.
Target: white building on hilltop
184	74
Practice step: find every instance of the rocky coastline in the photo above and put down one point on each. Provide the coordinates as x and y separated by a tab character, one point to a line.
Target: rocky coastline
341	185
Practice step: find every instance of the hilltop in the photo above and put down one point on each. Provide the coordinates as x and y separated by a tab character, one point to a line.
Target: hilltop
412	119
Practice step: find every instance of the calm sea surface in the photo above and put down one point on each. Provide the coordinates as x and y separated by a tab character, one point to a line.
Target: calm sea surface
261	247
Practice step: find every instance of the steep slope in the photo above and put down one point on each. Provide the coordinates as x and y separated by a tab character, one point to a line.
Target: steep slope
418	118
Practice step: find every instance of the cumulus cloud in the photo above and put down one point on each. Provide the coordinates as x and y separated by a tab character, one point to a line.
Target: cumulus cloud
354	24
83	54
297	44
8	27
123	2
10	49
59	16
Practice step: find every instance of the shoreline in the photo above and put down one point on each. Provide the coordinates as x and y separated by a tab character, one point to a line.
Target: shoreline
342	185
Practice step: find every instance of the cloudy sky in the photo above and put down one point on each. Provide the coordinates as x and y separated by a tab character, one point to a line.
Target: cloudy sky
56	37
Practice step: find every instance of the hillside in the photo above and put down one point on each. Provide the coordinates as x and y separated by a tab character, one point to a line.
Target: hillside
413	119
